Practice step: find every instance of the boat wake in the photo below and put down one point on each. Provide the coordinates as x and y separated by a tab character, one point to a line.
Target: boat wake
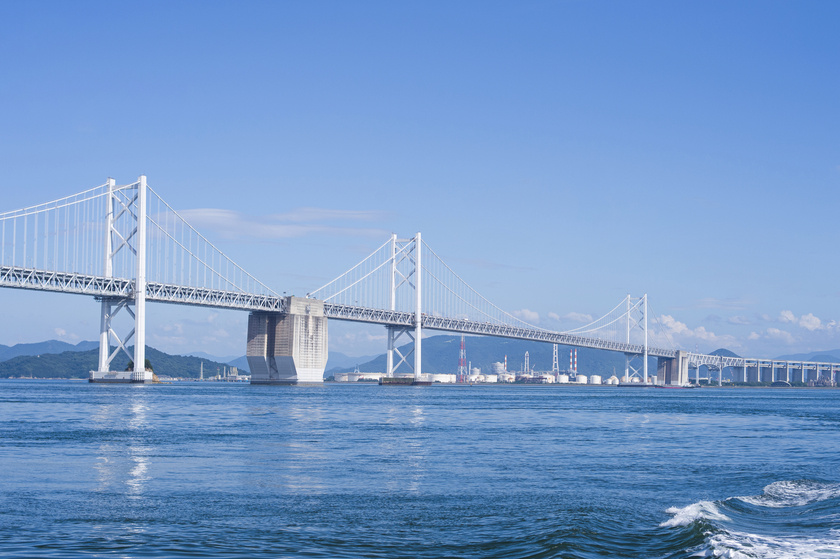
790	519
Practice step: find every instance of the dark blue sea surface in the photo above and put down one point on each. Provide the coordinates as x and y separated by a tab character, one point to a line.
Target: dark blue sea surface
232	470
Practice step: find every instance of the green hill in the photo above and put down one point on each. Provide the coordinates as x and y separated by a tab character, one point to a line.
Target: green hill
78	364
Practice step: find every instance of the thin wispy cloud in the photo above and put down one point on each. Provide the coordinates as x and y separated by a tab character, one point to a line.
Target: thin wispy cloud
231	224
492	265
729	303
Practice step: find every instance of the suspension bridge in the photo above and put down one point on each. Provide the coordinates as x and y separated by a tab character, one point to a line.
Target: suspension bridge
125	246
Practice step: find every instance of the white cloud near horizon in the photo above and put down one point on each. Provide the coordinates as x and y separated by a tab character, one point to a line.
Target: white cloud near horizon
808	321
786	317
780	335
685	334
63	335
571	316
527	315
578	317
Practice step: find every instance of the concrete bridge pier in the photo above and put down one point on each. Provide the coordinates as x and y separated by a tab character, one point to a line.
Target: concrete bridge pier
768	374
739	374
290	347
673	371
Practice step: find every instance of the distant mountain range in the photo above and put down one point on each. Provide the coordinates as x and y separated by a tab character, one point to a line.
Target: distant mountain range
51	346
831	356
440	355
54	358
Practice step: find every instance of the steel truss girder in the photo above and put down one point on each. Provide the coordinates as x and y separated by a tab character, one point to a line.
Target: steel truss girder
64	282
201	296
99	286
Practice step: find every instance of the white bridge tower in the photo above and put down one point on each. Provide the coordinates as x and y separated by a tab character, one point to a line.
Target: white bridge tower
637	326
126	238
405	280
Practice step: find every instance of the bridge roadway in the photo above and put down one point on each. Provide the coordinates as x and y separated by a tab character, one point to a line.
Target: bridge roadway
462	326
121	288
404	319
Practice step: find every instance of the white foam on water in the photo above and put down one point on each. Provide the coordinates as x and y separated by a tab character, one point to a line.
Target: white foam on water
793	494
736	545
701	510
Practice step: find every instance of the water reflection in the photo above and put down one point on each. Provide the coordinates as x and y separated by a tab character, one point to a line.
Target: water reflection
407	444
123	458
138	475
103	419
138	453
293	453
417	449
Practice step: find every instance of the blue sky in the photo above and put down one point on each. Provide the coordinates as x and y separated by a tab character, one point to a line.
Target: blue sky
558	155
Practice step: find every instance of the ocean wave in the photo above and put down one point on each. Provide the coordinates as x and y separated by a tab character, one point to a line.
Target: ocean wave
739	545
703	510
730	530
796	493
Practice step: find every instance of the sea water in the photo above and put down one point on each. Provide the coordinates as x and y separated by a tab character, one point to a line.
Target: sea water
232	470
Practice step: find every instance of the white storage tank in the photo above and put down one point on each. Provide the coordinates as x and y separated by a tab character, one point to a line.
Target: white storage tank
475	371
595	379
581	379
491	378
563	379
498	368
612	380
